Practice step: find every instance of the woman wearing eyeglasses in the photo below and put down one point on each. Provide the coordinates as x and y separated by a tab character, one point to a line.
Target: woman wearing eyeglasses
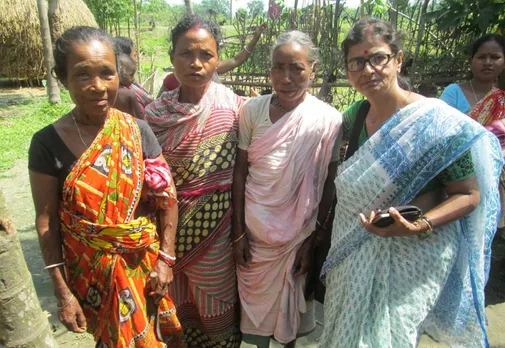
387	285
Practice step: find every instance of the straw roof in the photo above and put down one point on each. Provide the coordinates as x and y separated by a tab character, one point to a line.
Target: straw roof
20	40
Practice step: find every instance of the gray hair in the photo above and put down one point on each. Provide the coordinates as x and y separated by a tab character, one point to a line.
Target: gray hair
300	38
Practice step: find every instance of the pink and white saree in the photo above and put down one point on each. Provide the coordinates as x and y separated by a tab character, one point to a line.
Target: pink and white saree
288	168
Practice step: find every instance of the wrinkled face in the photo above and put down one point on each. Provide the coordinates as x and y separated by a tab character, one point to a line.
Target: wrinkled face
291	72
92	78
381	66
126	76
195	58
488	63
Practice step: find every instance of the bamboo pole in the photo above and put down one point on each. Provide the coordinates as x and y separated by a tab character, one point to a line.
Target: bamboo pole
22	321
137	40
422	22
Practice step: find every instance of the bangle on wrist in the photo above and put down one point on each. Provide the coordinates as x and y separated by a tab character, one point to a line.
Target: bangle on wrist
245	48
423	235
168	259
54	265
66	303
239	238
428	222
173	258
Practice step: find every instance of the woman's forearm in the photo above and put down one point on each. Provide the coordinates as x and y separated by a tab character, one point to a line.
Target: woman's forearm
240	173
47	223
168	229
51	247
238	195
453	208
328	194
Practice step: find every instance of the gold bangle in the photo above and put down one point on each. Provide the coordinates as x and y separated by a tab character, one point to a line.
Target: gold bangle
428	222
66	304
239	238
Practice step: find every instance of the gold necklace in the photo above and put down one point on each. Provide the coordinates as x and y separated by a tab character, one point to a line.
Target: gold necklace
78	129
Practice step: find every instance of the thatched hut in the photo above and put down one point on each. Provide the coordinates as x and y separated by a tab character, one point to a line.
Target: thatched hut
21	55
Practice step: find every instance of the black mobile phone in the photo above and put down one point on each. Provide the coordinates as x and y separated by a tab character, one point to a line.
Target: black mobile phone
382	219
409	212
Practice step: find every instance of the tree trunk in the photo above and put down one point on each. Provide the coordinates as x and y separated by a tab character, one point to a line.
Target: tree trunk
393	13
294	24
137	40
53	91
189	6
22	321
336	29
231	11
55	21
362	9
420	33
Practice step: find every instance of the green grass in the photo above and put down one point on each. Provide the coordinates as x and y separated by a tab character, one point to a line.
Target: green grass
16	131
154	43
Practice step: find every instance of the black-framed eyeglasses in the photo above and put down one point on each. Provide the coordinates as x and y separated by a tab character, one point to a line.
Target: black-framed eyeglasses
379	59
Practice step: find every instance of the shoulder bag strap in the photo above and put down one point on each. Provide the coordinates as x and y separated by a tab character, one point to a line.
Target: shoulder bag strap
356	129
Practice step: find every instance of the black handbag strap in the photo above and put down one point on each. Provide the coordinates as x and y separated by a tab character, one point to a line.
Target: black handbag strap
356	129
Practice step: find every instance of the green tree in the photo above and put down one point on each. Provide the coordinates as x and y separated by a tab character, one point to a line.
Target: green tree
470	17
110	13
217	7
255	7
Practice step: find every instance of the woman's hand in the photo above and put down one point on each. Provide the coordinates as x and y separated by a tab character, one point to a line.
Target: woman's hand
71	314
400	227
241	252
303	257
160	278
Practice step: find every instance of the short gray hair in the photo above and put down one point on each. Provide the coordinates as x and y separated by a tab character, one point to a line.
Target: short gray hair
300	38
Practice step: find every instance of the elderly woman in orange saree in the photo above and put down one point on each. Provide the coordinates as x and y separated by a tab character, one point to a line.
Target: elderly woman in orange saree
479	97
99	185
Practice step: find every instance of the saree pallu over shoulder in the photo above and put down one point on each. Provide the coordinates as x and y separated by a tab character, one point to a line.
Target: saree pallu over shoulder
108	254
490	108
409	150
199	143
310	131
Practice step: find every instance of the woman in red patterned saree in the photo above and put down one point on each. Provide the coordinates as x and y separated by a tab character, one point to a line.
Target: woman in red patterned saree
196	125
480	98
105	204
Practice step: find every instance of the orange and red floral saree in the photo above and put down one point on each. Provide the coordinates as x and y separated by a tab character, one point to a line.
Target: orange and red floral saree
109	253
490	112
490	108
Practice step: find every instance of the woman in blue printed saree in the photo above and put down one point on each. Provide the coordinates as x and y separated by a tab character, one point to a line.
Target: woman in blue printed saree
386	286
